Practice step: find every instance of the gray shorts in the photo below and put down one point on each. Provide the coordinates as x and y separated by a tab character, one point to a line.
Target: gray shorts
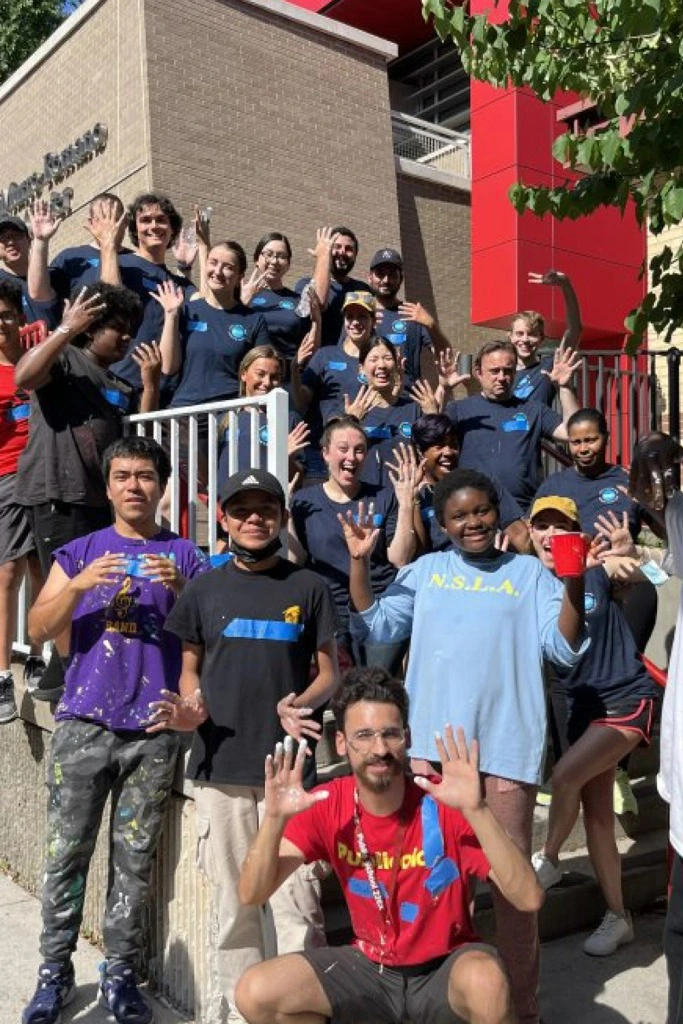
359	994
16	539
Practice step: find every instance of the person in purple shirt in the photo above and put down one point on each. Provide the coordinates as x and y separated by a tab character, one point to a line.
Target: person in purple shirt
108	595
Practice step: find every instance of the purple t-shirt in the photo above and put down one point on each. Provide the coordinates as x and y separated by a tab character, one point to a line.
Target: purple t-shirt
121	657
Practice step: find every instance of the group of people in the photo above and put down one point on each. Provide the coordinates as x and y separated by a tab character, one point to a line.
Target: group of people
420	599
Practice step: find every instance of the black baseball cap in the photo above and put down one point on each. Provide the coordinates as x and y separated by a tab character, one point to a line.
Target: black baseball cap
387	256
14	222
252	480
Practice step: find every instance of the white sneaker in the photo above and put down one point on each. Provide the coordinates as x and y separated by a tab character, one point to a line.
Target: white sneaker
547	873
612	932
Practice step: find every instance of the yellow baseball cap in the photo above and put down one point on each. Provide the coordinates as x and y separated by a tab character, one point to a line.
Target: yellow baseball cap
364	299
553	501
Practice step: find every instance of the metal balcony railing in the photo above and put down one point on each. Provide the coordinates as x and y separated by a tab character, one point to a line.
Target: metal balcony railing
431	145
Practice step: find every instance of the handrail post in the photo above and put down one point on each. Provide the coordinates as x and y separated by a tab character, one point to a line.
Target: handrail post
673	360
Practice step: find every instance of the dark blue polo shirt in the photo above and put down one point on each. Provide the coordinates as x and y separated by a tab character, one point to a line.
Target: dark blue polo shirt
504	438
594	496
214	342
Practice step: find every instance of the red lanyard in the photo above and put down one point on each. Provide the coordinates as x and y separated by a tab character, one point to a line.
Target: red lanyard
383	906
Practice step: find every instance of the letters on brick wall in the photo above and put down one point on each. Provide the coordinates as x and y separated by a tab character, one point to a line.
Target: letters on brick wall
56	167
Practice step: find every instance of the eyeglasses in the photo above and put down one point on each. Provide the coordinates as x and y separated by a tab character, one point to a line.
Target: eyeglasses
364	740
276	257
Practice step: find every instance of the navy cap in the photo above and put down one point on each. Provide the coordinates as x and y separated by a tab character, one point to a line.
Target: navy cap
386	256
14	222
252	480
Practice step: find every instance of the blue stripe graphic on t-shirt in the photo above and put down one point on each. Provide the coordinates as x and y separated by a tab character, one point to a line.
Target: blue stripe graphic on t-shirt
263	629
18	413
443	870
116	398
361	887
381	431
408	912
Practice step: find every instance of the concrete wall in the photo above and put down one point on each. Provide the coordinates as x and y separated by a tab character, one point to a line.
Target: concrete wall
95	74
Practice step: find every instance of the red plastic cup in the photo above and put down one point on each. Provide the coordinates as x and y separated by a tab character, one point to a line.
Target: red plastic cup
569	553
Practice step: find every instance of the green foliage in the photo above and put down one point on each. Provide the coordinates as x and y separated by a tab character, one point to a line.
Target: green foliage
24	25
625	55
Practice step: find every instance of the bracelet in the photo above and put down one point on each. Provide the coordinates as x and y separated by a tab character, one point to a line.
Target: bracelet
62	329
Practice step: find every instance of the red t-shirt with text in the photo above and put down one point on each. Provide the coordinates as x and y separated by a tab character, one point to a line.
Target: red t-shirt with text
14	414
429	914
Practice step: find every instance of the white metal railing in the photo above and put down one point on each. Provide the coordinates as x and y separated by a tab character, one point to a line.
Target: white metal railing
195	472
430	144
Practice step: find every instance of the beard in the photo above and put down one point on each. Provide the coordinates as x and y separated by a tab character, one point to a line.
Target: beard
379	783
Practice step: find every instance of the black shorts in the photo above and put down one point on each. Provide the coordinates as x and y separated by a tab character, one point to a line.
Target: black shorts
635	714
359	994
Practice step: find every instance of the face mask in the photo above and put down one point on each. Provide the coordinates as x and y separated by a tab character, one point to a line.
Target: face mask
249	557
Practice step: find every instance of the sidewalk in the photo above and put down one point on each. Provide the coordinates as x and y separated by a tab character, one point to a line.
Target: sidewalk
20	928
627	988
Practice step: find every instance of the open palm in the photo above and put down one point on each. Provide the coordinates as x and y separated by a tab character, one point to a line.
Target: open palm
285	795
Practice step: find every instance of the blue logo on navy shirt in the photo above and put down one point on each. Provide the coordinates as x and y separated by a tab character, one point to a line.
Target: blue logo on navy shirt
523	388
362	379
399	326
608	495
238	332
263	434
259	300
336	365
405	430
518	422
589	603
288	304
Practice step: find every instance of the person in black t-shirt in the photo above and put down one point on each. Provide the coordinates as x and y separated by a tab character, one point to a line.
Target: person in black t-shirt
250	631
609	702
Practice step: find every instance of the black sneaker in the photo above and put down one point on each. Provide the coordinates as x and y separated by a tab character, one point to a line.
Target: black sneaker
51	682
8	705
56	988
34	669
120	994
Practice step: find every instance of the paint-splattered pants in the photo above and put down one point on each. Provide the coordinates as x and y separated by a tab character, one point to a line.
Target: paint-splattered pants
87	764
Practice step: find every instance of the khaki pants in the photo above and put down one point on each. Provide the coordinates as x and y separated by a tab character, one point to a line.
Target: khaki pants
228	818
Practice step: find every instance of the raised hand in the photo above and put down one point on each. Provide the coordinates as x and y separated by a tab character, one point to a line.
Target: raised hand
185	247
324	239
285	795
80	314
105	225
256	282
297	722
170	296
310	343
551	277
44	224
460	786
366	399
164	570
181	714
447	367
148	357
298	439
426	397
360	532
202	228
399	376
616	532
565	364
416	312
406	473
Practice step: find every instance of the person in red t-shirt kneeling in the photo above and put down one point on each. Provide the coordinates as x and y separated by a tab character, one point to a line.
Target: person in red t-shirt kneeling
404	849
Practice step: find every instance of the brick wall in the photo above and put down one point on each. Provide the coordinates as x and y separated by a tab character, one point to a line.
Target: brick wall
96	74
435	236
274	125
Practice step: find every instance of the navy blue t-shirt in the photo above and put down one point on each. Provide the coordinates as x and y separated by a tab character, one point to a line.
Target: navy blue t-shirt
142	277
332	316
385	427
244	458
610	670
330	375
410	339
214	342
531	383
595	496
285	329
438	539
50	312
315	520
504	438
76	267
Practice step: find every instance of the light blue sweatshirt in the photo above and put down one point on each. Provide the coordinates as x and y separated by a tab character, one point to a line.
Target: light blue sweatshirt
479	631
